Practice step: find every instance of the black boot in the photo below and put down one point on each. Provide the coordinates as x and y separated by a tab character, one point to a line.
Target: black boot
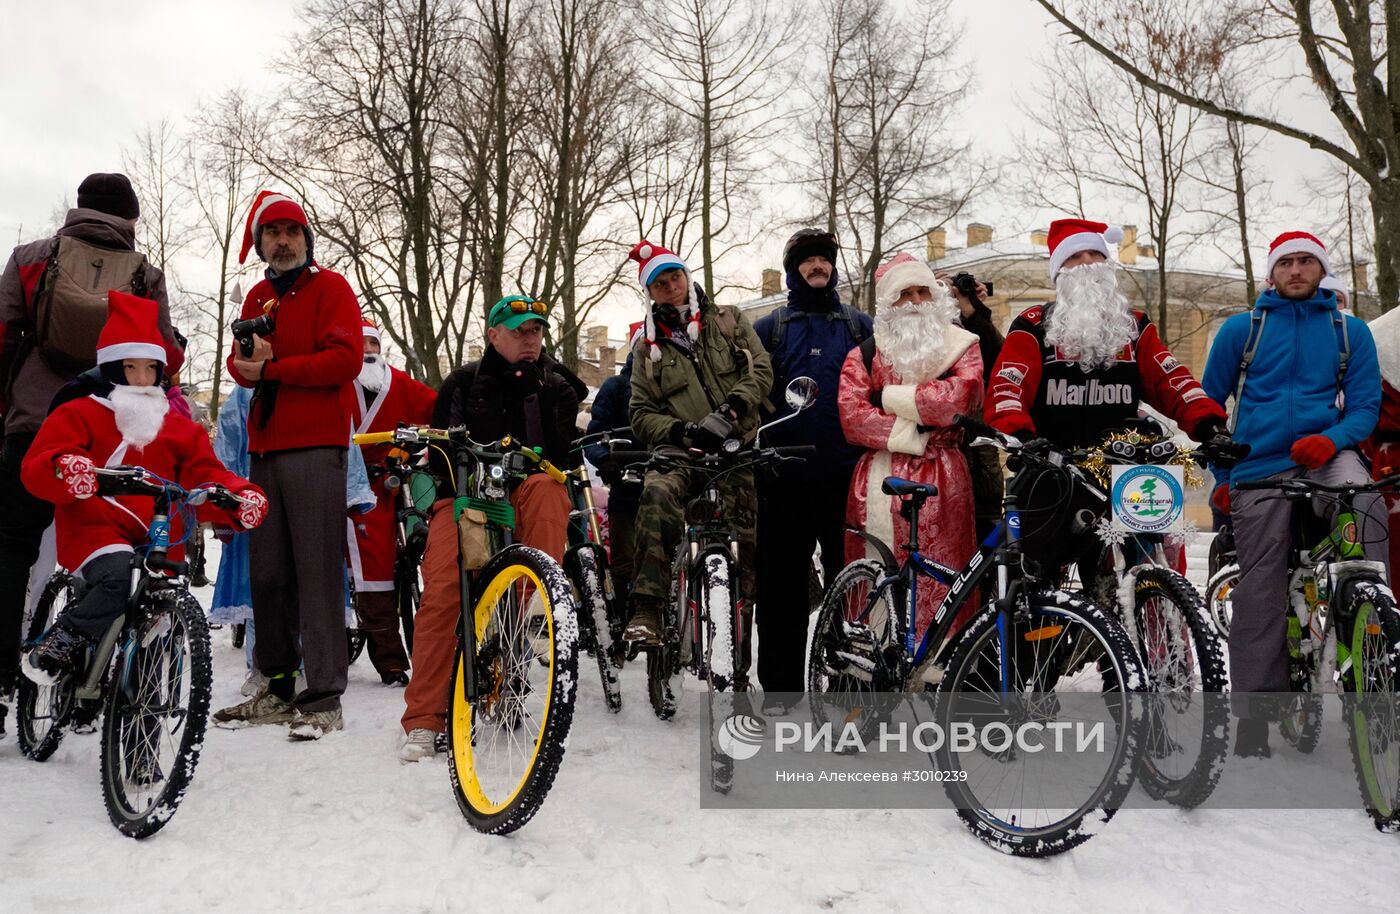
58	653
1252	738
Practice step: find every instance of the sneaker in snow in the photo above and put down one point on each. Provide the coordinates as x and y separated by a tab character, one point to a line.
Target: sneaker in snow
59	652
262	708
394	678
253	683
419	744
308	725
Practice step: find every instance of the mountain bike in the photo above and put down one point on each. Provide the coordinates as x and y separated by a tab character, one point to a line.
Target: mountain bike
601	615
702	628
1333	590
150	674
515	672
1025	648
1172	631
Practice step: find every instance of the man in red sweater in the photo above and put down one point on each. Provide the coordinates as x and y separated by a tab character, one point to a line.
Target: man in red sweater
298	432
384	397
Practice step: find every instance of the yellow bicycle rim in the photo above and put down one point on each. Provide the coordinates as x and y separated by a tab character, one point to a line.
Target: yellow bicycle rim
464	753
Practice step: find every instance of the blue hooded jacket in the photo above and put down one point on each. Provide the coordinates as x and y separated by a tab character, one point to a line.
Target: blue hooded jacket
815	343
1290	391
610	409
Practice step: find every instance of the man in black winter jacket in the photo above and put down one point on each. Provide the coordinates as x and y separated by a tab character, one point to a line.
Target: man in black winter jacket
806	504
515	389
610	411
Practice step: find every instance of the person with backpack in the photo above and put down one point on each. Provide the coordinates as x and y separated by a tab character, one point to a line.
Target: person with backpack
900	394
1303	405
699	378
53	305
803	503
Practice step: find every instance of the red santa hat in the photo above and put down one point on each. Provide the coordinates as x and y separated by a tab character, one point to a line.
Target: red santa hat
371	330
652	261
902	272
1296	243
132	330
1068	237
269	206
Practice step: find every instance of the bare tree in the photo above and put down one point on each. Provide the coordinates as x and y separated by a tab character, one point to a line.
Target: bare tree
1345	59
720	65
157	167
891	164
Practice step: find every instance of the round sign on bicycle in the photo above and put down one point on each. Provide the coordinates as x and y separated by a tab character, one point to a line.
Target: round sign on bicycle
1148	499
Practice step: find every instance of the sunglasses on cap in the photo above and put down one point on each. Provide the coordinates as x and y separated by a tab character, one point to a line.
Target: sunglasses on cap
519	306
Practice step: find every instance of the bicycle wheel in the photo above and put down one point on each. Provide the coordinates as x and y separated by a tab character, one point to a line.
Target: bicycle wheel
41	712
407	591
1187	731
157	709
1300	719
719	610
854	656
1219	591
1373	648
507	745
1062	644
677	636
586	574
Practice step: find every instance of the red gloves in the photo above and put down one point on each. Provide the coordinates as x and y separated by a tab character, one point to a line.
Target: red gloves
1221	498
76	472
1312	451
252	513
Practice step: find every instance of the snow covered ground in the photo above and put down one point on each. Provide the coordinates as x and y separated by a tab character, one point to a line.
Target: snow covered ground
342	825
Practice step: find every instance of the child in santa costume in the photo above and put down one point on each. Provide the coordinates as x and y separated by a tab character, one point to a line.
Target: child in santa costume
126	421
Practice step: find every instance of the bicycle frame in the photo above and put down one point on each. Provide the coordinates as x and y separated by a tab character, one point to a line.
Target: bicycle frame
1001	549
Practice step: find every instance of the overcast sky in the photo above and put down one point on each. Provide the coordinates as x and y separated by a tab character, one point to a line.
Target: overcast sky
79	79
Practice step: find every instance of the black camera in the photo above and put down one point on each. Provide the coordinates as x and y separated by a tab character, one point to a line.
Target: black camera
966	284
243	331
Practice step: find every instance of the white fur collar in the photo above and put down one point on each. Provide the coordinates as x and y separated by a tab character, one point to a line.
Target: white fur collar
1386	330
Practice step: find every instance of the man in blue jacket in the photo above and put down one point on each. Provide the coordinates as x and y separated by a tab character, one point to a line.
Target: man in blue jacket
806	503
610	412
1305	401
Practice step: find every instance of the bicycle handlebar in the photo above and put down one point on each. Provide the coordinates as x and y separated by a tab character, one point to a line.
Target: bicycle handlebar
140	481
1303	486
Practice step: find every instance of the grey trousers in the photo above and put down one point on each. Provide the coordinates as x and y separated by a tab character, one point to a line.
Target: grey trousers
1258	627
297	557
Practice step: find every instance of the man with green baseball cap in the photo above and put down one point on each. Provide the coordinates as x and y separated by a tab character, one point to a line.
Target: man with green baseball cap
514	389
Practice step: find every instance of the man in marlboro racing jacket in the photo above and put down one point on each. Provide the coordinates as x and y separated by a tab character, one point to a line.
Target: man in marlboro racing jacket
1078	367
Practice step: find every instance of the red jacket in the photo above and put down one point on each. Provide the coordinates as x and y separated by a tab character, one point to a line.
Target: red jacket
94	526
1034	387
404	400
317	350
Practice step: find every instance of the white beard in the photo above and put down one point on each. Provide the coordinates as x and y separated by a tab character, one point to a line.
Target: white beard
374	374
912	337
139	411
1092	320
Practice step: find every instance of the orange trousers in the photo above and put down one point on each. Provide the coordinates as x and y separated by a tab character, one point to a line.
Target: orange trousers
542	521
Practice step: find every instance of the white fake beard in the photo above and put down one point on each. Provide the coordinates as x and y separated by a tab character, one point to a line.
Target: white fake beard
374	374
139	411
1092	320
912	337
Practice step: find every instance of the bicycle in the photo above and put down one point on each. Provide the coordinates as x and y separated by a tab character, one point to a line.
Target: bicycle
601	614
1024	645
151	672
1171	629
515	671
403	477
1333	590
702	629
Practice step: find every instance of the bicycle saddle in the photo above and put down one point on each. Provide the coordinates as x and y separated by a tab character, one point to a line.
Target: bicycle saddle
919	491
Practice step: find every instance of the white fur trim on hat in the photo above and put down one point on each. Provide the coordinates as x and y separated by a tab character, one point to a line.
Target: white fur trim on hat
1386	332
119	351
900	276
1080	241
373	333
655	265
1297	246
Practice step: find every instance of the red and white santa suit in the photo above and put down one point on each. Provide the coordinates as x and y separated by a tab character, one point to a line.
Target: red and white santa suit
926	371
384	397
1383	447
123	425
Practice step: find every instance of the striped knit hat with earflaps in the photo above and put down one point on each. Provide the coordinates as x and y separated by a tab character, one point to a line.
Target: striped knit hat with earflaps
653	260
